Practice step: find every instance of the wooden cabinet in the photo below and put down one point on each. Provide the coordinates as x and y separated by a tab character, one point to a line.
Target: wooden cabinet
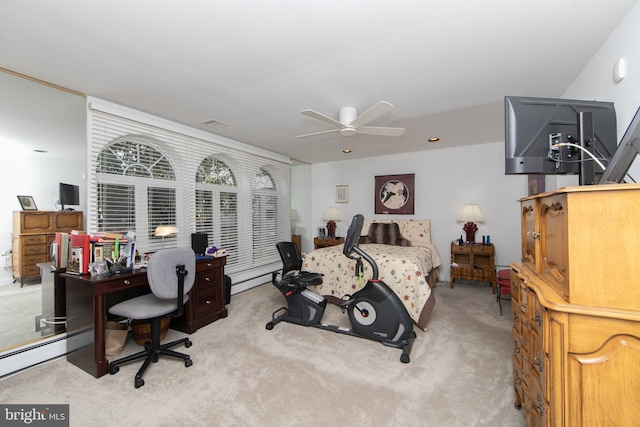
576	307
33	233
319	242
297	239
473	262
207	299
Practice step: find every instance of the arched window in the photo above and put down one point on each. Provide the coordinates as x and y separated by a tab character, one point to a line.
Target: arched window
217	206
136	189
265	216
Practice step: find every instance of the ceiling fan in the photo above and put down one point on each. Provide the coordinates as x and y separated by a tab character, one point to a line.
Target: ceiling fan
350	123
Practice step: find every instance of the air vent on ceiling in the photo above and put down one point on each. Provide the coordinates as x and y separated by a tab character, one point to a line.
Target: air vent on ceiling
214	123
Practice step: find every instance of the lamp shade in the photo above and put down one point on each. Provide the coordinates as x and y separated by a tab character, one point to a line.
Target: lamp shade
470	212
331	214
166	230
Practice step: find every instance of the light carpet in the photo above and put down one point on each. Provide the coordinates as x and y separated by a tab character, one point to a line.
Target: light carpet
244	375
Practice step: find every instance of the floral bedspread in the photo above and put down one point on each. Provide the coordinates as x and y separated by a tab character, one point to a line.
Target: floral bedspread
403	268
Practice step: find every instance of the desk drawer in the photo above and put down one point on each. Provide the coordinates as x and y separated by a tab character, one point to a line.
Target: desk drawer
207	279
205	304
125	282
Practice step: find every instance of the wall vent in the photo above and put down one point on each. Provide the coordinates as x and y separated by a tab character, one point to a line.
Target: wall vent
214	123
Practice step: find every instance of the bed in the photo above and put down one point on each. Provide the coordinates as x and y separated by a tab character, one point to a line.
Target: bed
407	262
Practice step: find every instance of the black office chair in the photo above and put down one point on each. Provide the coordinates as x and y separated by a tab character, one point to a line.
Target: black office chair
171	274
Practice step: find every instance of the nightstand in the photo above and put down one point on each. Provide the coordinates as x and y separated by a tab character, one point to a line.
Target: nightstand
319	242
474	262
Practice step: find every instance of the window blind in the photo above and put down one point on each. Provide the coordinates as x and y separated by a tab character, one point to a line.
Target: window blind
145	171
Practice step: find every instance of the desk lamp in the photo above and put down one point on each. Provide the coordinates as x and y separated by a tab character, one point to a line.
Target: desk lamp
331	215
166	231
470	214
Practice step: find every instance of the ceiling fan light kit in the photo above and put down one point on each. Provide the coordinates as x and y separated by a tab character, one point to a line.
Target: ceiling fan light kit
350	123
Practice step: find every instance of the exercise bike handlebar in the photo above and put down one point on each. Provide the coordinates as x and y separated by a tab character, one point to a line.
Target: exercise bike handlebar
352	241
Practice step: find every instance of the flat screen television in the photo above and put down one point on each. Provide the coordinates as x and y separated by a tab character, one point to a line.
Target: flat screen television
533	127
69	195
625	154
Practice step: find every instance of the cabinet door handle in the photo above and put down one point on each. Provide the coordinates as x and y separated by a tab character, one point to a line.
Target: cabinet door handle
207	279
207	302
209	264
126	282
537	362
537	318
534	234
539	405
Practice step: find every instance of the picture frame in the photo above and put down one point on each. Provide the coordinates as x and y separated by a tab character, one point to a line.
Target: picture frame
27	203
342	193
322	233
395	194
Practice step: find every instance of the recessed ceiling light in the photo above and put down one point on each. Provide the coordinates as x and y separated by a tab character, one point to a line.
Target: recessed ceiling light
434	139
346	151
41	151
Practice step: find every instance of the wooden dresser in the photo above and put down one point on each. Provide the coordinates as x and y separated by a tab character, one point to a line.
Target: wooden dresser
33	233
576	307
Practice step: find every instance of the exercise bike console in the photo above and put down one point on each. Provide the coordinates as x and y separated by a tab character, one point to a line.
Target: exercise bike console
375	311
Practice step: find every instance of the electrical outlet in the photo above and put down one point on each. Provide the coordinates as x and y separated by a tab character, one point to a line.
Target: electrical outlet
41	323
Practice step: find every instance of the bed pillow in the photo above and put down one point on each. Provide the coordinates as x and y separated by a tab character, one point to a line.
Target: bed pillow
386	234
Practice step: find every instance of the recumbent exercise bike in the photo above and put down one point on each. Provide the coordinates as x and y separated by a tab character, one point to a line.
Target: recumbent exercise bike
375	311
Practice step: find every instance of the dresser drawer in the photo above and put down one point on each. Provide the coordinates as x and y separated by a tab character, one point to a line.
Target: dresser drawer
31	270
35	249
28	260
34	239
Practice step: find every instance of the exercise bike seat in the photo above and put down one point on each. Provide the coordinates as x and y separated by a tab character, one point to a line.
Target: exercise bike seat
292	272
306	278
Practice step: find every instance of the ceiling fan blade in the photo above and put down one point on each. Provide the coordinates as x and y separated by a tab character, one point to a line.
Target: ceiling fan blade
372	113
384	131
319	116
318	133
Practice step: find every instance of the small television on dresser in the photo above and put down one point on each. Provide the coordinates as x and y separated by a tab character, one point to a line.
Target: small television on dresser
69	195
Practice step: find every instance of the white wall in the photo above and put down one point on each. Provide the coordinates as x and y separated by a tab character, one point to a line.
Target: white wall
445	179
596	79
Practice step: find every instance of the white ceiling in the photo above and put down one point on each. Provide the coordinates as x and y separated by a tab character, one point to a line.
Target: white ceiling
255	64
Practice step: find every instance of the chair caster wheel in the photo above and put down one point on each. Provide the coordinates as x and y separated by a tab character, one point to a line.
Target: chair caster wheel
139	383
269	326
113	370
188	363
188	344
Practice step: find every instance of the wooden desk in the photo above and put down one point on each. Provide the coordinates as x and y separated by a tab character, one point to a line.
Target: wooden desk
89	298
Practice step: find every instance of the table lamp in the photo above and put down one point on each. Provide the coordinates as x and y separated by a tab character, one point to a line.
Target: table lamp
166	231
331	215
470	214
